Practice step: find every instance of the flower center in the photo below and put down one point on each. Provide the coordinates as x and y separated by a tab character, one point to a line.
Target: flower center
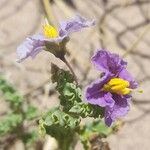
118	86
49	31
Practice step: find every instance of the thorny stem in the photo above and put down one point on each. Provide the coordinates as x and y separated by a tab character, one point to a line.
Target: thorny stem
70	68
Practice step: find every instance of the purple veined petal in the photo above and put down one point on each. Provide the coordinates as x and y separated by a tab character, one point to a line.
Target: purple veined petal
33	45
124	74
28	48
56	46
74	25
108	62
120	109
95	95
35	52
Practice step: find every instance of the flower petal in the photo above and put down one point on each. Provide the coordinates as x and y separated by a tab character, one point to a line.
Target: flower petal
28	48
120	109
74	25
108	62
124	74
49	40
95	96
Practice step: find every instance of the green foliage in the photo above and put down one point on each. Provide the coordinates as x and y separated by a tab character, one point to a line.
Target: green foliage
31	112
30	138
11	120
61	126
61	122
19	112
86	110
9	123
55	121
70	95
96	128
60	76
10	94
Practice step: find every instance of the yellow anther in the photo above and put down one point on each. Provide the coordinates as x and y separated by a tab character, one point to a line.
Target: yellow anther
118	81
124	91
117	85
49	31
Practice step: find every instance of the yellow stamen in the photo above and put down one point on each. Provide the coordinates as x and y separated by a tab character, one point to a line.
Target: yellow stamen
118	81
124	91
49	31
118	86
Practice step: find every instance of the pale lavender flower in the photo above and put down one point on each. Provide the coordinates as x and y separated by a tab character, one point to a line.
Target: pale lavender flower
51	39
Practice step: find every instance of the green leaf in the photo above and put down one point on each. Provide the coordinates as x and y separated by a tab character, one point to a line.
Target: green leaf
60	119
70	96
9	123
30	138
57	123
96	128
31	113
60	76
41	128
69	93
10	94
87	110
61	126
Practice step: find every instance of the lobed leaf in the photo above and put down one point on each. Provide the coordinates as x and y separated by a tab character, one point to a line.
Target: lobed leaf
10	94
9	123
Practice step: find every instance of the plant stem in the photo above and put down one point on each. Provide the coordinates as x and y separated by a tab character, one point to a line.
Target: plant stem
67	142
48	11
70	68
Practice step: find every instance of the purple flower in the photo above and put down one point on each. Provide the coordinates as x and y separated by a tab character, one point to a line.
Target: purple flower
113	90
51	39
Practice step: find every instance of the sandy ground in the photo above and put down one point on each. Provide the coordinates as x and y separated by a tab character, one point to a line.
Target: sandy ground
121	26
